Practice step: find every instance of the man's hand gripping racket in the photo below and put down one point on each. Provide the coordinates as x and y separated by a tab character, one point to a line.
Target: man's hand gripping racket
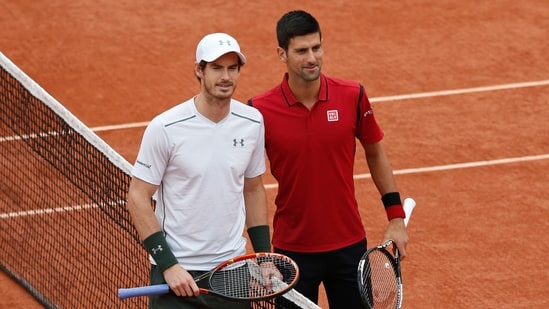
237	279
379	277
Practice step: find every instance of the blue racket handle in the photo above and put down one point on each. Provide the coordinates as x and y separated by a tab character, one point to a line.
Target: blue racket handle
144	291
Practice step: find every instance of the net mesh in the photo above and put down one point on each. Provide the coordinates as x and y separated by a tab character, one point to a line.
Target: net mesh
66	235
65	231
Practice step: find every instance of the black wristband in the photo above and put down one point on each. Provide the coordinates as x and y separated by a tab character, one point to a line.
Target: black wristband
260	236
393	205
158	248
391	199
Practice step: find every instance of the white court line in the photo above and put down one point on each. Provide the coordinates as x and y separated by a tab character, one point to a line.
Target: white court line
448	167
36	212
460	91
360	176
120	126
381	99
274	185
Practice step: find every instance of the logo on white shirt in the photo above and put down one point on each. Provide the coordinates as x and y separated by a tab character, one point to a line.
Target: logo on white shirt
143	164
238	142
332	115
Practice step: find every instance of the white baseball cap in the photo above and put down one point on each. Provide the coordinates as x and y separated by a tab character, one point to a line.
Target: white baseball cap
215	45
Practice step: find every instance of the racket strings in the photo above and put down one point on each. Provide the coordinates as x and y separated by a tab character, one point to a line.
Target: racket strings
249	279
379	280
231	282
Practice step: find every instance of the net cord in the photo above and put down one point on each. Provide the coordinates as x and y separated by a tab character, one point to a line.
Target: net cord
65	114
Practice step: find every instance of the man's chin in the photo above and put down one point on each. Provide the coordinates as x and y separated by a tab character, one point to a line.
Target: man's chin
312	76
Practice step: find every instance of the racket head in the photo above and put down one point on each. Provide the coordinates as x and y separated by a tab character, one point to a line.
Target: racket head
248	277
378	278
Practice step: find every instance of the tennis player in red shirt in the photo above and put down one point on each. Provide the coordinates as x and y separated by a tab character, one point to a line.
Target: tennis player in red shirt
312	122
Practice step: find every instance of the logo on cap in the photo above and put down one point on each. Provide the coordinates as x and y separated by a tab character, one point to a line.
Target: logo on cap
215	45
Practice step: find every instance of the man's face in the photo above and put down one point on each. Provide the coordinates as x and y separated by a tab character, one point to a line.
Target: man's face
220	76
304	56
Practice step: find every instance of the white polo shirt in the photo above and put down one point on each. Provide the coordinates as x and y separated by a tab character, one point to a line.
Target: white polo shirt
200	167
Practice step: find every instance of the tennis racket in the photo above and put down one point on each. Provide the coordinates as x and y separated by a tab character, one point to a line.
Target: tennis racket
292	295
241	278
379	277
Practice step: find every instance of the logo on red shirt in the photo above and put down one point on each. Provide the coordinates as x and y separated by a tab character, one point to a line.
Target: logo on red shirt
332	115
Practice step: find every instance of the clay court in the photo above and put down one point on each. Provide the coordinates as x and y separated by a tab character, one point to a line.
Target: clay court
460	88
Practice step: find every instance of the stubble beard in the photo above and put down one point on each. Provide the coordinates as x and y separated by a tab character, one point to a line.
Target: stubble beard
219	94
310	77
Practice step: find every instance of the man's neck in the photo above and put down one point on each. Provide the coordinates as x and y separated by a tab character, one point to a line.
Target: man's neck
212	108
304	91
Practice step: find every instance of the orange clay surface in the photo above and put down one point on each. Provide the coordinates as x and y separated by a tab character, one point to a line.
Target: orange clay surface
475	159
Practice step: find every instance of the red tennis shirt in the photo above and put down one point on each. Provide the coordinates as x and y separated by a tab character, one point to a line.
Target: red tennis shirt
311	153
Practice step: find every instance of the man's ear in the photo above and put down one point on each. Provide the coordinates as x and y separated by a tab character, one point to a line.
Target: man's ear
281	54
197	71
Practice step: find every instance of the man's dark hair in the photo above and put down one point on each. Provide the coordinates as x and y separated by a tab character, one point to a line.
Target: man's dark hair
295	23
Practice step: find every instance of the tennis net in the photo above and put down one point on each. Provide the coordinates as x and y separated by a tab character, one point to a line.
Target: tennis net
66	235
